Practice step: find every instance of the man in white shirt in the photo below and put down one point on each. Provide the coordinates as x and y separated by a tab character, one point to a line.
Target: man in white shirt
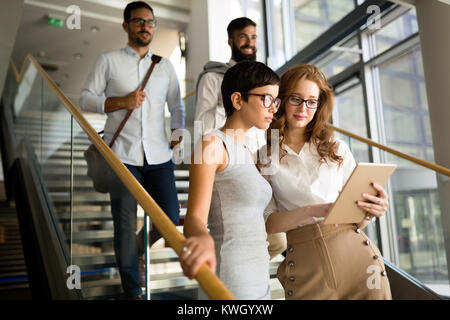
114	87
209	105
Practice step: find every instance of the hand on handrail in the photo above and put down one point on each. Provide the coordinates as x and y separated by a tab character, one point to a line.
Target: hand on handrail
196	251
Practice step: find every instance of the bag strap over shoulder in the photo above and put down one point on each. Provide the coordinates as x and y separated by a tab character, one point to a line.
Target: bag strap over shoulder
155	59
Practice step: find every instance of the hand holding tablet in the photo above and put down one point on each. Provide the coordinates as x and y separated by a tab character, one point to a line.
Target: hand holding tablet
345	209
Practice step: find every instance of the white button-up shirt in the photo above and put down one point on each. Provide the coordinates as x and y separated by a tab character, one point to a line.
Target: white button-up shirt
118	73
300	180
210	110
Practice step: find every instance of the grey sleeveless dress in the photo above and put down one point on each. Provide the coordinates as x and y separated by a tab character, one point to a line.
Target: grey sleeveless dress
236	223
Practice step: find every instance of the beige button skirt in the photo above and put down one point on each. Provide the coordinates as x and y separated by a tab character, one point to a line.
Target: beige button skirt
329	262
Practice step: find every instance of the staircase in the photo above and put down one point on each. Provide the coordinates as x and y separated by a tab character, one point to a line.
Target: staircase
13	273
92	226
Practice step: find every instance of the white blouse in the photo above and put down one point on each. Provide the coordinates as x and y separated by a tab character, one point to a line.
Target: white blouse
301	180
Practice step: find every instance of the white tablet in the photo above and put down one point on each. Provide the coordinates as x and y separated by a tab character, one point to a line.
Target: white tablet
344	209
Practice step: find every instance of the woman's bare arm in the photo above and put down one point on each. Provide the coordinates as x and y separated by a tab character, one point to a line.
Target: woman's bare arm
199	244
283	221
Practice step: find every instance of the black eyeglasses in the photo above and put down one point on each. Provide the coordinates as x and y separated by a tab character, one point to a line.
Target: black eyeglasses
141	22
297	101
267	99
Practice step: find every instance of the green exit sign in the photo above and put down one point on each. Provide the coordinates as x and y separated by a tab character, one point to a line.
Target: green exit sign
56	22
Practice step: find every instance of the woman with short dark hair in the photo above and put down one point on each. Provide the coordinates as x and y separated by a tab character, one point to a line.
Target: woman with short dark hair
226	191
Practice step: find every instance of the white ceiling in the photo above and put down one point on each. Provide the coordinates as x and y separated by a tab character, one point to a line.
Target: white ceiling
57	47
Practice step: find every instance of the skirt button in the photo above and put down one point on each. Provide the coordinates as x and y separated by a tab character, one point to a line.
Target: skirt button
290	293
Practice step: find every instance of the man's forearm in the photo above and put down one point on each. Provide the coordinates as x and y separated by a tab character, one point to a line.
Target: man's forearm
113	104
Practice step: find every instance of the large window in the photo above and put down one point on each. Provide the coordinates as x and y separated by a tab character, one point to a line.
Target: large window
254	10
277	50
313	17
404	124
349	115
405	106
293	24
339	57
421	250
399	29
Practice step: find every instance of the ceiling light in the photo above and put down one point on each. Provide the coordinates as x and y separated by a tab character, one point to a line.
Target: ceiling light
95	29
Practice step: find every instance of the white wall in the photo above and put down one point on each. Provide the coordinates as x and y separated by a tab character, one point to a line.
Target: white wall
220	13
10	14
207	32
434	22
197	38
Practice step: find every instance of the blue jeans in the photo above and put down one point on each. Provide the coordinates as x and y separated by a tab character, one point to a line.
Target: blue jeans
159	181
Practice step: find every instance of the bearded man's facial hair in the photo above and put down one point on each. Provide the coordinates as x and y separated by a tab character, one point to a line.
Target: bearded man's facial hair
239	56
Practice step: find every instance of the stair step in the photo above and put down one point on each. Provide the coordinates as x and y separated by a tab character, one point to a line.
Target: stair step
80	173
52	142
93	236
15	274
276	289
7	252
86	216
63	198
112	287
87	185
19	284
11	268
181	174
6	262
108	260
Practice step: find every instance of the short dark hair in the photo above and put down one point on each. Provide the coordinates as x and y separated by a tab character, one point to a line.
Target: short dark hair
243	77
133	6
239	24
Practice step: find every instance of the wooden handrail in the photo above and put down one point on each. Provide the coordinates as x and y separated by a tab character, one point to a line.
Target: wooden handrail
16	73
210	283
421	162
189	94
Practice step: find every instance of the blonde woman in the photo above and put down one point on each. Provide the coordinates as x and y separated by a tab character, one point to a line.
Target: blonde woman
322	261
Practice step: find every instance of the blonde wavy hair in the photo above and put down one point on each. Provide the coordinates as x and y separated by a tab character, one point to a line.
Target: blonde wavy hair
317	131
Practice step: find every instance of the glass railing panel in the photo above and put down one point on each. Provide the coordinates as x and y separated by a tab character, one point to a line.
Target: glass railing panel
55	157
417	205
10	89
26	108
92	247
40	118
81	215
349	115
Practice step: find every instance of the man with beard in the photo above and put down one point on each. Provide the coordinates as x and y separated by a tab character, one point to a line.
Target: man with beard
114	86
209	105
